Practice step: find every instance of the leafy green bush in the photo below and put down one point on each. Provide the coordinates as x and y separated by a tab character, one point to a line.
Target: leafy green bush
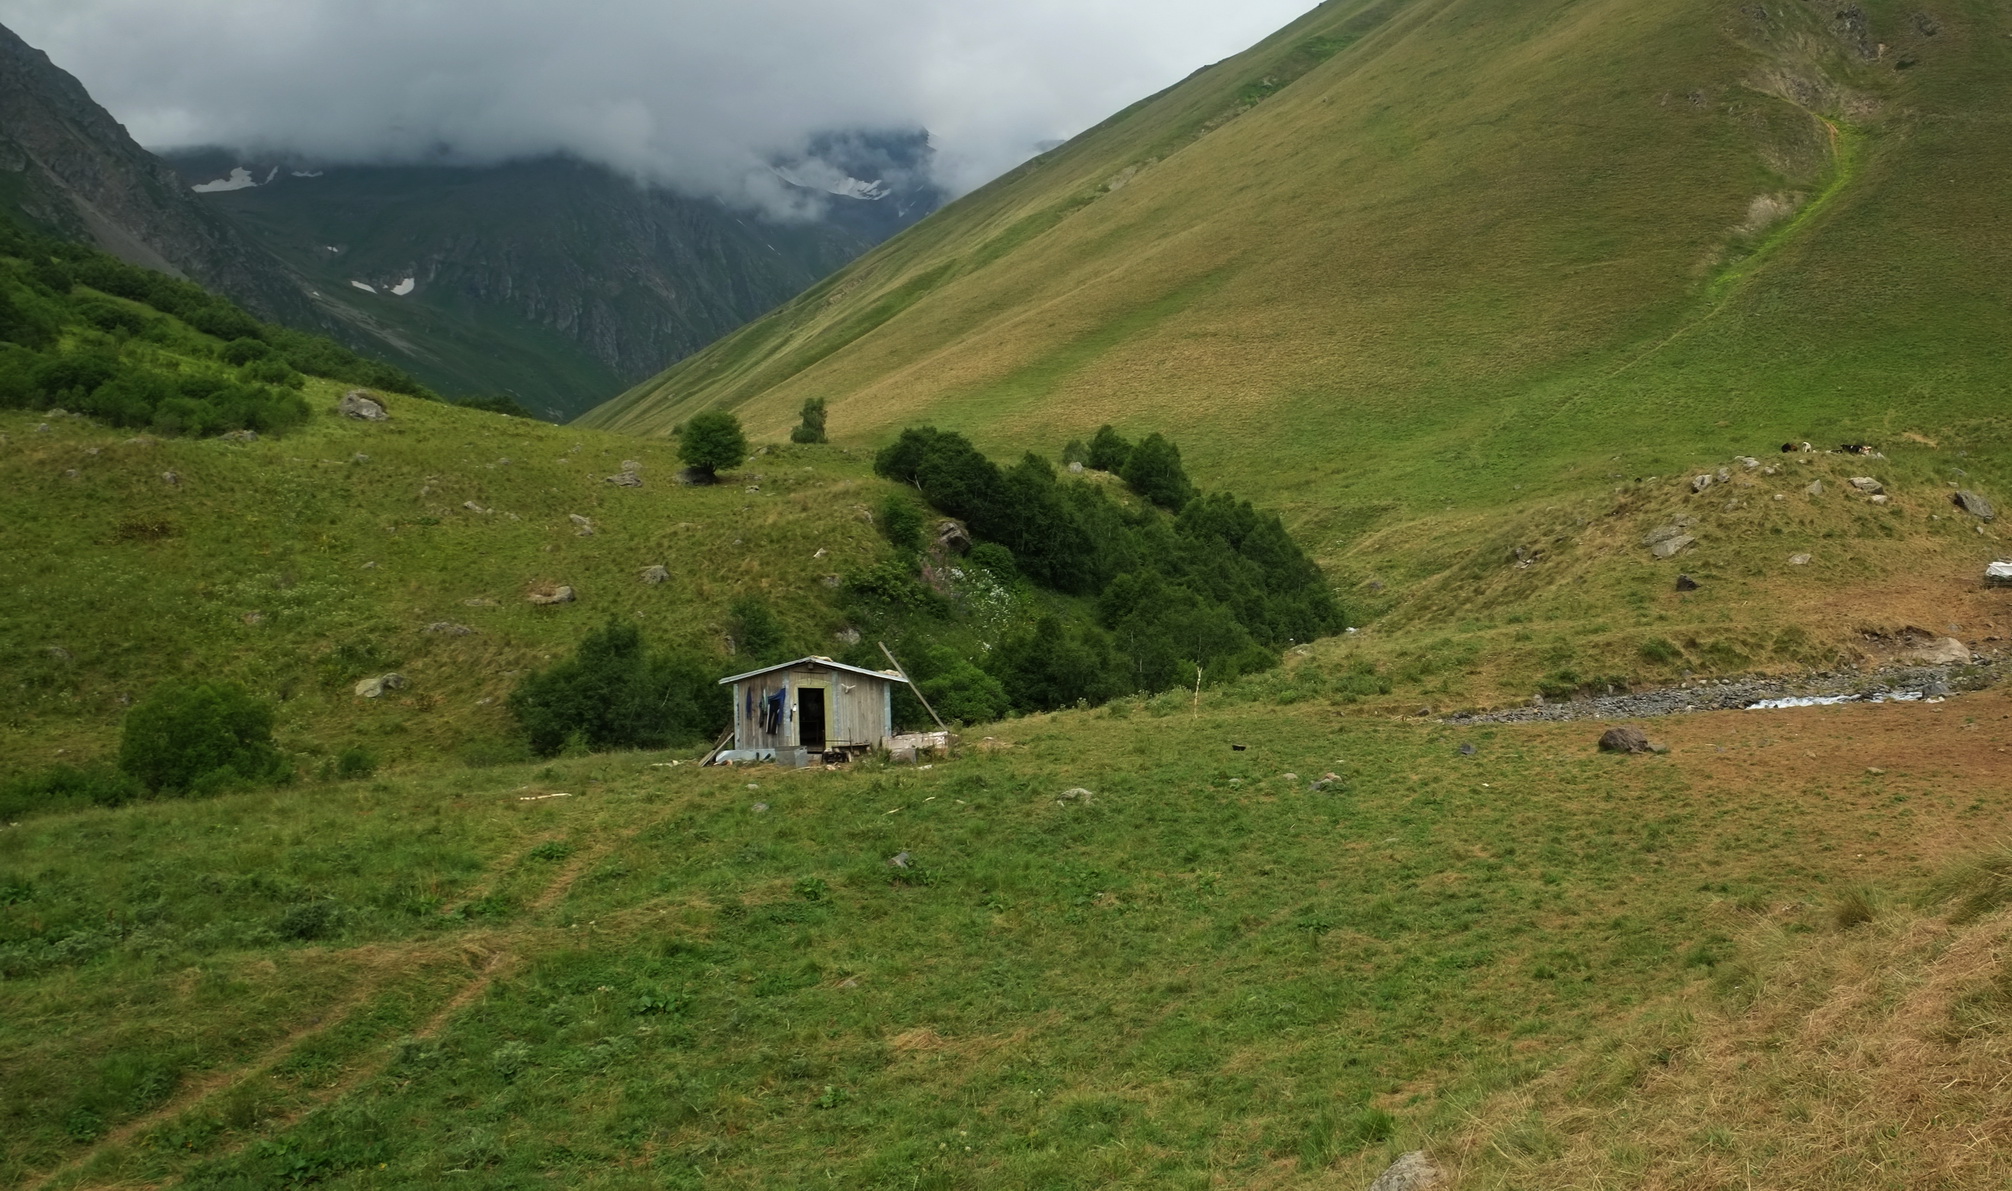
1153	470
900	522
65	788
612	694
811	426
355	762
1108	451
712	442
239	352
200	737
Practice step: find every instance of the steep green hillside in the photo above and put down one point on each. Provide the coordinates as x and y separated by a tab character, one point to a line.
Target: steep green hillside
1417	271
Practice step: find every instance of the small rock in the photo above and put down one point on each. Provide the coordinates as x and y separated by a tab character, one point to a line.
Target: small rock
821	552
1291	777
362	406
1686	583
552	595
472	507
1673	546
479	602
173	479
449	628
241	436
359	457
1973	504
1935	690
1867	484
58	652
655	575
1702	482
1798	560
370	566
1815	488
1625	739
1075	469
1998	574
1415	1171
1468	749
1781	496
253	618
759	807
582	526
627	479
848	634
898	860
72	473
42	428
371	688
1075	794
1748	462
629	465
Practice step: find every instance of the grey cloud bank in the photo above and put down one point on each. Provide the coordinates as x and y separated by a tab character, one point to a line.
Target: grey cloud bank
696	96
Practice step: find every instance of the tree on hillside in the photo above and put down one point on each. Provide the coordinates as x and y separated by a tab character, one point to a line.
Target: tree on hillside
613	694
1154	471
713	442
200	737
1108	451
811	428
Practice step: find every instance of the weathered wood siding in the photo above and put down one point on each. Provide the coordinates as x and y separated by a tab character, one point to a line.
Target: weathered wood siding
857	708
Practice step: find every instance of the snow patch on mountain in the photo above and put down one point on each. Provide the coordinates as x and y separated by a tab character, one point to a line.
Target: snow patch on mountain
240	179
816	175
368	289
405	287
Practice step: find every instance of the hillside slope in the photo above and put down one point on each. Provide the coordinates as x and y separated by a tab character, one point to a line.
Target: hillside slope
68	166
1409	269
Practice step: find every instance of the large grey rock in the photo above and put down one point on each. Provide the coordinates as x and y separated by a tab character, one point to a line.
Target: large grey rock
1973	504
1671	547
952	536
362	406
1867	484
1701	482
1661	533
371	688
552	595
1625	738
1415	1171
1815	488
1941	651
1998	574
627	479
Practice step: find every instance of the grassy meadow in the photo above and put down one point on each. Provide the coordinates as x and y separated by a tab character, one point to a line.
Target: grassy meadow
1220	967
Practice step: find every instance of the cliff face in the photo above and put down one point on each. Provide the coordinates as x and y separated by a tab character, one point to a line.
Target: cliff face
67	165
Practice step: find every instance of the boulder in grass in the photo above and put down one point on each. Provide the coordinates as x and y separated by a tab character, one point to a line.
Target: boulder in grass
371	688
1628	739
1998	574
1868	485
656	575
361	406
1671	547
552	594
1940	651
1973	504
1686	583
1415	1171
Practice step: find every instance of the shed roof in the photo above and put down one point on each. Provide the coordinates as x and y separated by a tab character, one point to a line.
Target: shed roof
885	675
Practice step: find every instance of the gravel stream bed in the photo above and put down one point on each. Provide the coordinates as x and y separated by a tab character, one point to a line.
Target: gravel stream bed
1728	694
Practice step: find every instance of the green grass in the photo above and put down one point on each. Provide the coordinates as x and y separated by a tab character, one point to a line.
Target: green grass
1204	972
295	567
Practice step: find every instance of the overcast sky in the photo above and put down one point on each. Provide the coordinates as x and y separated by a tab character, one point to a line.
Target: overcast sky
696	94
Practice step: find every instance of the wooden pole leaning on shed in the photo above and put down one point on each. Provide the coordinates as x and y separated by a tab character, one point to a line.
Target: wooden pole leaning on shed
911	686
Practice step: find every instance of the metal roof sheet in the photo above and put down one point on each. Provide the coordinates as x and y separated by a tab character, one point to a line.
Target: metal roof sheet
815	660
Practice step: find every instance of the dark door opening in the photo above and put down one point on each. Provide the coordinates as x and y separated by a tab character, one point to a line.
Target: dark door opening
810	718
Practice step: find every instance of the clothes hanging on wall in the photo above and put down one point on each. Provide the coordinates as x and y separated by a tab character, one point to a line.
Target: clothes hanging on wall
773	711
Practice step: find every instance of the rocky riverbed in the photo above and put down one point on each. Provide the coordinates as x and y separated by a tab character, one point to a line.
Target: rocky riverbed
1731	694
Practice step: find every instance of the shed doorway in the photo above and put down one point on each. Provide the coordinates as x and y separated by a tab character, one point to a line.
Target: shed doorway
810	718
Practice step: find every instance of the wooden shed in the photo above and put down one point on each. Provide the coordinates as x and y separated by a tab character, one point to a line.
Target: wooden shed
813	707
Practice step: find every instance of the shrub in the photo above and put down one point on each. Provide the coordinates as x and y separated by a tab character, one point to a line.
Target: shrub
309	921
1153	470
239	352
65	788
611	695
201	736
270	371
355	762
900	522
811	427
712	442
1108	451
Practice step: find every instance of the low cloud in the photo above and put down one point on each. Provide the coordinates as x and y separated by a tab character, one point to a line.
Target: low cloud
697	96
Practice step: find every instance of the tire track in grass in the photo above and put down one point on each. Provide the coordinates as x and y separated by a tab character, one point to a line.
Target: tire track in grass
499	961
